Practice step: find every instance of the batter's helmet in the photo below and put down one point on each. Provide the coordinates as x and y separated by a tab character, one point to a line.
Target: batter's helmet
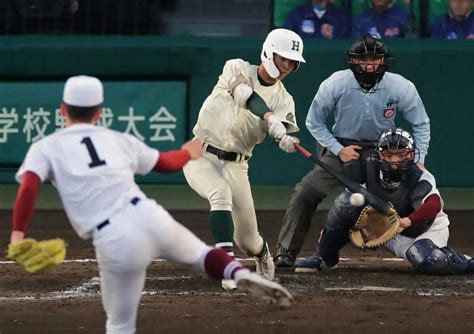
365	46
285	43
394	140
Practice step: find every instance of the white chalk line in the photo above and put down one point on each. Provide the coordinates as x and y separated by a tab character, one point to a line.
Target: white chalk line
91	289
395	259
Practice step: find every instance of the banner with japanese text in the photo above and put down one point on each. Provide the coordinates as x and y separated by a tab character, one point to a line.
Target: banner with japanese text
152	111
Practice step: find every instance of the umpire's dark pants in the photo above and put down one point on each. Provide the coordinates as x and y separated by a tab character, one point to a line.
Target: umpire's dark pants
307	195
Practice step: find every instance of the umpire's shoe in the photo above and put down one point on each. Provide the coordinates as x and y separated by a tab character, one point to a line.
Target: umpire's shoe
311	264
284	258
260	287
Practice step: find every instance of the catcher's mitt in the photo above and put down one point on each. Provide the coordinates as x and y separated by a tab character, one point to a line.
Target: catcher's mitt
373	228
38	256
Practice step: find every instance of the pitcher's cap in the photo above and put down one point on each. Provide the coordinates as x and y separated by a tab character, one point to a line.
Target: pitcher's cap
83	91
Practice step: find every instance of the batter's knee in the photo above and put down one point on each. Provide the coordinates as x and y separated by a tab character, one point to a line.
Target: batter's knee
221	199
428	258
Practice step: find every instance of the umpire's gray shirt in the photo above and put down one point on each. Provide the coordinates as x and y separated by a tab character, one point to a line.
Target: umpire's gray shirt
364	116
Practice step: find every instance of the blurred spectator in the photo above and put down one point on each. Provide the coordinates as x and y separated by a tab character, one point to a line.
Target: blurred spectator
319	19
383	19
457	23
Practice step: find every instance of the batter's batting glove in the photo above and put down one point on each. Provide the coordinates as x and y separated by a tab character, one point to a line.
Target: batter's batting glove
276	129
287	143
38	256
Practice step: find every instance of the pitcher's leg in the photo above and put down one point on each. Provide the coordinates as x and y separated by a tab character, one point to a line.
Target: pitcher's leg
123	250
121	293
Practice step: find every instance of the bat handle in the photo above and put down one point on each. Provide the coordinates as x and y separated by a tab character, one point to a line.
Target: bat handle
302	150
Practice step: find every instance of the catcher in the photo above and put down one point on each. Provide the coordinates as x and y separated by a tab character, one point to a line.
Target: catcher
422	232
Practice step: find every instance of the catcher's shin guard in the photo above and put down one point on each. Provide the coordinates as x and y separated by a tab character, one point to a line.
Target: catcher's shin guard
341	217
427	258
342	213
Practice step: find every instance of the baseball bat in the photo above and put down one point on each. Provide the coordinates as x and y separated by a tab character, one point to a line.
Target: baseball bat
375	201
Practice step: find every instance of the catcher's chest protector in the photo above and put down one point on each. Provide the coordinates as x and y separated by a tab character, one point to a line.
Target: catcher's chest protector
401	197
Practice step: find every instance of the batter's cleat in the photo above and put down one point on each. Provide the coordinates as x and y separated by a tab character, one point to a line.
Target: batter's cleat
260	287
311	264
264	264
284	258
228	284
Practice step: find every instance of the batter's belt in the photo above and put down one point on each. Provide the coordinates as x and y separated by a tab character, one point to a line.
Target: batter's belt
224	155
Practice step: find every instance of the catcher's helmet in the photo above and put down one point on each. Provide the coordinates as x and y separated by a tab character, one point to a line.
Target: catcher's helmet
285	43
391	141
368	45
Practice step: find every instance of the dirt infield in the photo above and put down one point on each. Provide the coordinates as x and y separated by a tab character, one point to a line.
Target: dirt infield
370	292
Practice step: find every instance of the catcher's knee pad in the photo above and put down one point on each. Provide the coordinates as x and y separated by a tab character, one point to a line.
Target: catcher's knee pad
428	258
343	213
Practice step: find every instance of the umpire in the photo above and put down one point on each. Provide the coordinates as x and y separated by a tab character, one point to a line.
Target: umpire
364	100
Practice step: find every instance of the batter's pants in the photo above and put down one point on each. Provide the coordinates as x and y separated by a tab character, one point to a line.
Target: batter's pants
226	185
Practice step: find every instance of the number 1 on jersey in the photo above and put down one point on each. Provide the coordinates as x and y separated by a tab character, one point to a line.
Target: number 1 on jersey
93	153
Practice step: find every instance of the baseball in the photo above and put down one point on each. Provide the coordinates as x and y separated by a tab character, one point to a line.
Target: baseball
357	199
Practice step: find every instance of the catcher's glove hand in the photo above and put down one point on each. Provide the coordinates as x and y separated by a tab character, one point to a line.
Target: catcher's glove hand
38	256
373	228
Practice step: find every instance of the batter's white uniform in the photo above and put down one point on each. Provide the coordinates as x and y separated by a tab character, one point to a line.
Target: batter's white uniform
438	231
224	125
93	169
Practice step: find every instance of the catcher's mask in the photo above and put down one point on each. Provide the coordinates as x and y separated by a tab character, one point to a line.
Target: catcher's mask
285	43
369	49
396	156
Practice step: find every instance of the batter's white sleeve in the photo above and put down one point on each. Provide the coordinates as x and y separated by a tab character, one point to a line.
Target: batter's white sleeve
285	110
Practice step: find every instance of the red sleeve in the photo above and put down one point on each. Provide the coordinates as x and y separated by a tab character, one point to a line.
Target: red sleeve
171	161
25	201
427	211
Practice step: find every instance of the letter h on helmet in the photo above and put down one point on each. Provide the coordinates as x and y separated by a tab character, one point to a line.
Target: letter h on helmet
285	43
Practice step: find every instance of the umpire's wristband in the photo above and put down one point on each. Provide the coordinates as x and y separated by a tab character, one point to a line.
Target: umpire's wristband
257	106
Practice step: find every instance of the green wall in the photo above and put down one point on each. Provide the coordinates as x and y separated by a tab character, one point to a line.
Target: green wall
443	72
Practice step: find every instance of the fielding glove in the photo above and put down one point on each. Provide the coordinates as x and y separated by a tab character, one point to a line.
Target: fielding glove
373	228
38	256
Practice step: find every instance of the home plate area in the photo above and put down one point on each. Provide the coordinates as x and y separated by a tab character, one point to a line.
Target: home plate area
370	291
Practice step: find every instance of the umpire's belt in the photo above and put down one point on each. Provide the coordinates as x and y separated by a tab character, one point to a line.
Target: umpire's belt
362	143
134	201
224	155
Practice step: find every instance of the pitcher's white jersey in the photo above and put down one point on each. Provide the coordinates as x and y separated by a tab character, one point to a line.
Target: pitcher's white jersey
93	169
224	124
